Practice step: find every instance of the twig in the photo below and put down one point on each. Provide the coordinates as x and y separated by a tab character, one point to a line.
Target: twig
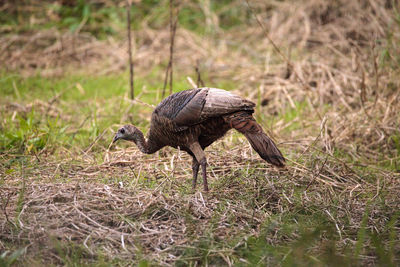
289	68
78	129
199	82
284	57
55	99
192	83
363	93
4	207
143	103
376	72
172	29
322	126
94	142
128	16
165	80
171	55
319	171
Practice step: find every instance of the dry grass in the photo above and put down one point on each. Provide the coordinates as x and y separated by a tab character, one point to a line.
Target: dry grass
337	117
145	209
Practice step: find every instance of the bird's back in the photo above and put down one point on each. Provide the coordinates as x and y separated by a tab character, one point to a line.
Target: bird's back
193	106
195	114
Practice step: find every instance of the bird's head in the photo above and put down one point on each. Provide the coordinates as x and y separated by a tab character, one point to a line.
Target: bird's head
127	132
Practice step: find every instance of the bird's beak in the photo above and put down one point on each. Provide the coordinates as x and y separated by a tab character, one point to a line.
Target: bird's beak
116	138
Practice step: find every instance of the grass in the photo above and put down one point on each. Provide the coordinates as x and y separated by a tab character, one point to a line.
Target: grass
107	18
33	131
68	199
277	224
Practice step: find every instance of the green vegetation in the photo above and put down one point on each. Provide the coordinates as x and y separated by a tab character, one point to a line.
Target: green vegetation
103	19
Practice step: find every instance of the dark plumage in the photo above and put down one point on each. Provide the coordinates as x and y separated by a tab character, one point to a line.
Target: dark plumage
194	119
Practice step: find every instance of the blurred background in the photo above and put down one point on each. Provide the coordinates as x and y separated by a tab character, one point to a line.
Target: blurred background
337	54
325	76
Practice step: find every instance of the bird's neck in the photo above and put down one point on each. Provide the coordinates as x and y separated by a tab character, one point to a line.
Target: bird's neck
148	146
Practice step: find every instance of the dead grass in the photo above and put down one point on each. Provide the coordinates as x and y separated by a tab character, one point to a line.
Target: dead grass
145	208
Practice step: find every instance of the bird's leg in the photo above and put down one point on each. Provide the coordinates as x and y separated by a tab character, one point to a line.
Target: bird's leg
201	160
203	164
195	169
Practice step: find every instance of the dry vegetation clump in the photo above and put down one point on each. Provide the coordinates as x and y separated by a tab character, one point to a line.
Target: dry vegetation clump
349	66
332	98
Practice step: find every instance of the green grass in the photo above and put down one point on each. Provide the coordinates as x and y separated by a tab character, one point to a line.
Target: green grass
8	258
103	19
102	102
308	239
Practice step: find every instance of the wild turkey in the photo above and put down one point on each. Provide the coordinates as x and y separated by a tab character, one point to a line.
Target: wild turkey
193	119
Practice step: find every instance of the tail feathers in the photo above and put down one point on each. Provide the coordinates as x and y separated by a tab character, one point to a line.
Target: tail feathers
266	148
261	143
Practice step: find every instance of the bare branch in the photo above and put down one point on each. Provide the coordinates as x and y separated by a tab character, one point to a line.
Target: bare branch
131	70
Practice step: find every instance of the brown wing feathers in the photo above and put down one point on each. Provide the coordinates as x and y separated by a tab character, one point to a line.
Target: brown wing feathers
206	103
261	143
191	107
190	113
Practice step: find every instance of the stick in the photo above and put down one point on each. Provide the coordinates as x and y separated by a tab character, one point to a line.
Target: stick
192	82
128	13
171	51
305	86
172	31
200	82
165	80
285	58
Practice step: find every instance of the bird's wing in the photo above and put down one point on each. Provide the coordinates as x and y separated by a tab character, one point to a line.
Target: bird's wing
182	109
208	103
220	102
190	113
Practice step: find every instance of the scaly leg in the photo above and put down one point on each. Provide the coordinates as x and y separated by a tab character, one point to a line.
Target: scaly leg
203	164
195	169
201	160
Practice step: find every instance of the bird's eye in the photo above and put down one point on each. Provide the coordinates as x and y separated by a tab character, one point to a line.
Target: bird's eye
122	130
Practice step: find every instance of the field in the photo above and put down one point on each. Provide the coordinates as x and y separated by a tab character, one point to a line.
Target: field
325	76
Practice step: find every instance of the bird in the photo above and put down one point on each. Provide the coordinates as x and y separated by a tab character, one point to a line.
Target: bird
193	119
